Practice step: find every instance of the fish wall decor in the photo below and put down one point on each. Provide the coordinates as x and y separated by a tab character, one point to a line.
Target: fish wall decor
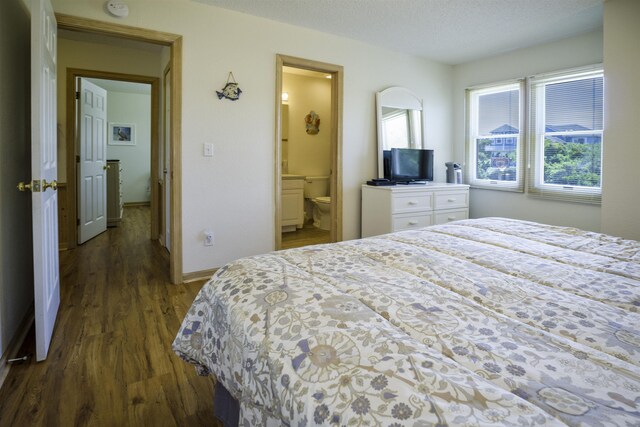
231	90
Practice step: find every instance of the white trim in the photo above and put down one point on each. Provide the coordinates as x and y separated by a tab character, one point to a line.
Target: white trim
569	74
473	95
537	134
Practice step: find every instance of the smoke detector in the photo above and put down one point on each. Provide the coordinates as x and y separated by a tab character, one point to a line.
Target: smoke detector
117	8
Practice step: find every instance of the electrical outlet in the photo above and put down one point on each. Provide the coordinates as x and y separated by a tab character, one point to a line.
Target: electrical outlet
208	150
208	238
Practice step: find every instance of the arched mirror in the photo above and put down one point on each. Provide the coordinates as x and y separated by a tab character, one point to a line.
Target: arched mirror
399	119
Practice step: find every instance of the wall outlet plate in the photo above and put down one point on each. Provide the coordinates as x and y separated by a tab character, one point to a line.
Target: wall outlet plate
208	238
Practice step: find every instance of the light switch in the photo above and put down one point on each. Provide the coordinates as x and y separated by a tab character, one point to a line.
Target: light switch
208	150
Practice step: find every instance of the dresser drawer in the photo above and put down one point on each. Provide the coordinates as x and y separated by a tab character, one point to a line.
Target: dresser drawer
452	200
411	202
406	222
402	207
442	217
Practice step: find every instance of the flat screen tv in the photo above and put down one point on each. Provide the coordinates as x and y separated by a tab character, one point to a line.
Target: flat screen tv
411	165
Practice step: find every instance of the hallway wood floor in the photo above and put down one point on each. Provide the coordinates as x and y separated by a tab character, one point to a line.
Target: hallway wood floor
110	362
307	235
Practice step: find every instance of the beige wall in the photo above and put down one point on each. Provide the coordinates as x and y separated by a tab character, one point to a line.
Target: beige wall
308	155
133	108
621	168
232	193
96	57
16	259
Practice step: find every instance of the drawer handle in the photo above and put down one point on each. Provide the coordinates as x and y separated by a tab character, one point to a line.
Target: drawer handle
451	200
451	218
411	202
413	222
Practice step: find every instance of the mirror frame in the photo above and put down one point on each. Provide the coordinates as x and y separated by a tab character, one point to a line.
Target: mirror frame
396	97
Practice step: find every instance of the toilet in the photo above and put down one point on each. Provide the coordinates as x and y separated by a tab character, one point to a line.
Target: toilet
316	190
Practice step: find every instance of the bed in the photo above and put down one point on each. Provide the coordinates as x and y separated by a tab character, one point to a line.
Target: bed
491	321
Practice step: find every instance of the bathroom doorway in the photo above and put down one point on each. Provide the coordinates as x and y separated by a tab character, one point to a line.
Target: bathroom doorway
308	193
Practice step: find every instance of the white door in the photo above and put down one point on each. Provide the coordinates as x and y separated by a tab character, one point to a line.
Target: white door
92	167
44	172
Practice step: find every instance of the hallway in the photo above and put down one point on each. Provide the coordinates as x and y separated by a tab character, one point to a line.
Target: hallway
110	361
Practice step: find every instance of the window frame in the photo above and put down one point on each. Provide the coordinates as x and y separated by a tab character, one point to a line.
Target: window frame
472	134
530	153
537	133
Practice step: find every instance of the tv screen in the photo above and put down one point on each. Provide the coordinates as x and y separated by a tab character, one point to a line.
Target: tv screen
411	164
386	163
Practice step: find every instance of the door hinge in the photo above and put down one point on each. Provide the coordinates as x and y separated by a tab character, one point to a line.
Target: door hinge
77	159
77	95
77	221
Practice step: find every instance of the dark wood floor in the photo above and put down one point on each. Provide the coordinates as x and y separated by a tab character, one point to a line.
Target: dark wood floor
307	235
110	361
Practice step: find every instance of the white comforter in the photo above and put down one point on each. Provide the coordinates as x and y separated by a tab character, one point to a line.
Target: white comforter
476	322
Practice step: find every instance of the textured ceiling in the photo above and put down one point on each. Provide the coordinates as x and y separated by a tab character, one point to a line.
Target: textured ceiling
448	31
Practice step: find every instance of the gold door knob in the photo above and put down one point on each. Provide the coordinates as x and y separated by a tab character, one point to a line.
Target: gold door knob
24	187
53	185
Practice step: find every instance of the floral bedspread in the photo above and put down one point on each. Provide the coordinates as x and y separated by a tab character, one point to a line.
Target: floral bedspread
476	322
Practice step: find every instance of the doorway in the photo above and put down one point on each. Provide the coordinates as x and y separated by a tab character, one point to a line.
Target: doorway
137	96
91	27
284	203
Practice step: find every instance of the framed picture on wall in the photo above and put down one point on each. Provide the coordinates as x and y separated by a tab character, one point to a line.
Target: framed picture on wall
122	134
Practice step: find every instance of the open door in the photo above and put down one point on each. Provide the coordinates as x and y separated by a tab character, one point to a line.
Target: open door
92	165
44	169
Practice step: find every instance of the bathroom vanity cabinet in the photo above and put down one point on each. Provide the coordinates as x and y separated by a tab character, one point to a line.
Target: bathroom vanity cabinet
292	203
402	207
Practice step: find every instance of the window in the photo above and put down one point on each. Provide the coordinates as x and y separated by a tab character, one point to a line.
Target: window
564	113
401	128
494	140
566	135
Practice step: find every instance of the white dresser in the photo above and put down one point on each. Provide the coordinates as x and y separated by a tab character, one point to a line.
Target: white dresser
114	193
402	207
